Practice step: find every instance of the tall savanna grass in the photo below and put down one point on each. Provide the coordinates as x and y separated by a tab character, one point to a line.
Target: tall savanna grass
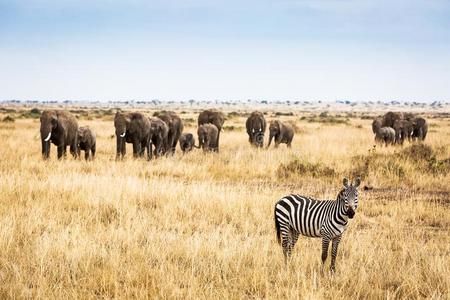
201	225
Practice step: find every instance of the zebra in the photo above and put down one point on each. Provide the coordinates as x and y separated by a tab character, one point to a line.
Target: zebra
300	215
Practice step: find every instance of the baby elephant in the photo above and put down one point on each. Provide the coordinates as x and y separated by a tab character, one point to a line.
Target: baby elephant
283	133
86	142
386	135
187	142
208	135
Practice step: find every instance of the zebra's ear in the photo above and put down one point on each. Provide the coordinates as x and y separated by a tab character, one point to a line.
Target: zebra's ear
357	182
345	182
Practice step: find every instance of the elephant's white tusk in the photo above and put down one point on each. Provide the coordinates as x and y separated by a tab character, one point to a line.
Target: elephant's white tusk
123	134
48	137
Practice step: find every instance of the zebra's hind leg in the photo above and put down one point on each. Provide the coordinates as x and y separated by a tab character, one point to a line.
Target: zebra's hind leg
288	243
334	249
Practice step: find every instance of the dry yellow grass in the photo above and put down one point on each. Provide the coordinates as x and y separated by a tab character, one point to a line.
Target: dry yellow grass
201	226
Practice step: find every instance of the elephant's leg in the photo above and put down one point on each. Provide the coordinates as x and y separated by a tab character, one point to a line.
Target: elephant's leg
289	143
93	151
74	150
216	144
143	147
87	154
149	150
136	148
172	144
61	151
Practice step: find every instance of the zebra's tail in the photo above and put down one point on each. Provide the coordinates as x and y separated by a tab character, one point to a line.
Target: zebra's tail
277	226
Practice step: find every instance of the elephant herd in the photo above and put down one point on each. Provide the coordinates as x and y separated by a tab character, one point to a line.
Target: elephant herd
155	136
395	127
160	133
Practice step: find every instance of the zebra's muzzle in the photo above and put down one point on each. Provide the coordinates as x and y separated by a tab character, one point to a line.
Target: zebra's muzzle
350	213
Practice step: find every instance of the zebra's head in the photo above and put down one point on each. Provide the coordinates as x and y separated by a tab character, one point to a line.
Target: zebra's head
350	197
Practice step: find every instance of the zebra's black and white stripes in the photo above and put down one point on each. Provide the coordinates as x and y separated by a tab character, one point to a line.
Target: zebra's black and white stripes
300	215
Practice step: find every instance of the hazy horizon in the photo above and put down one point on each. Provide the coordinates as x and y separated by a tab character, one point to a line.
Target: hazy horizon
269	50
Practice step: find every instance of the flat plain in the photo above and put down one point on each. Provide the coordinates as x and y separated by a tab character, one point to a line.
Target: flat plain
200	226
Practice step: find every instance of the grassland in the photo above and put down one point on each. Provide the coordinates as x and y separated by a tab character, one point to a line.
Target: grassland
201	226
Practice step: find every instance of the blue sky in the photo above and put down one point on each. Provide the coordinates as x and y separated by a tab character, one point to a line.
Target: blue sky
178	50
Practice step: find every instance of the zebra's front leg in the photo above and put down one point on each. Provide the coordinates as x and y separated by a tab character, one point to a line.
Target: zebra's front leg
334	250
325	245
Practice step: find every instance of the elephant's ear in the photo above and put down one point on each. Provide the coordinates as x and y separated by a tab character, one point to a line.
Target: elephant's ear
127	120
61	126
54	121
278	124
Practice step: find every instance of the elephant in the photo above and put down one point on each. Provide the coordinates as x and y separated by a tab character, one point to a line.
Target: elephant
60	128
386	135
132	128
158	137
390	117
403	129
420	128
283	133
208	134
187	142
86	142
215	117
256	126
175	125
376	124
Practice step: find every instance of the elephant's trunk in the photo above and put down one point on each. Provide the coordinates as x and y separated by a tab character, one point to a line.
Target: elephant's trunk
120	147
259	139
270	139
200	144
45	139
45	149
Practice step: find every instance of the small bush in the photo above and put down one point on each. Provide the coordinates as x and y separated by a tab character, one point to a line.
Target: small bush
418	152
231	127
298	167
33	113
8	119
279	113
233	114
323	114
